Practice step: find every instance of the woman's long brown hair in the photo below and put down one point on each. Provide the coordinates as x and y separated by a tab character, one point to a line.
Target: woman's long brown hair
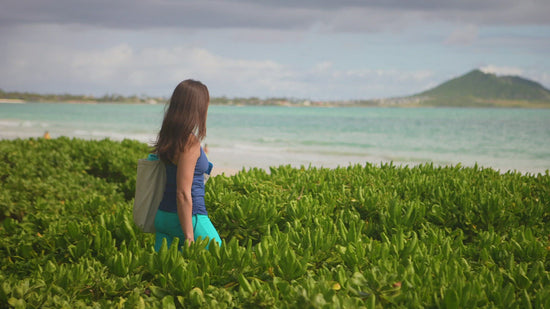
185	115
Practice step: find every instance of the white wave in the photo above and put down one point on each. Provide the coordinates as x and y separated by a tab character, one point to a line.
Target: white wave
9	123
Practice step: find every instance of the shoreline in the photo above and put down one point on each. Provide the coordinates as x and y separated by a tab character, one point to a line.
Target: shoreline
224	171
374	103
233	161
229	162
12	101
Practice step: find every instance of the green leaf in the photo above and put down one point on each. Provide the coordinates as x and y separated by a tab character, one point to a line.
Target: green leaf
451	300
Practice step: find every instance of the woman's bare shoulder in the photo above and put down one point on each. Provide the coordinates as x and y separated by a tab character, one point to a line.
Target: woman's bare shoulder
193	144
192	148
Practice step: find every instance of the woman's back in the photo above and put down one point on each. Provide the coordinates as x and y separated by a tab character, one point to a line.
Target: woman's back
169	201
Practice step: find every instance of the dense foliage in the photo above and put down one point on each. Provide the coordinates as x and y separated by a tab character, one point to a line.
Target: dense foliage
358	236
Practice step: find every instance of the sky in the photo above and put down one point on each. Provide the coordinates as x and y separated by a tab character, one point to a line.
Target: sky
299	49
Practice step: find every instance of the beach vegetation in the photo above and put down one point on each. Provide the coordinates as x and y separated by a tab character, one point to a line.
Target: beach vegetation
359	236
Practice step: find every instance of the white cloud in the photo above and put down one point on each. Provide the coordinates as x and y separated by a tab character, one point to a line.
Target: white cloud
544	79
127	70
40	66
501	70
85	60
531	73
359	83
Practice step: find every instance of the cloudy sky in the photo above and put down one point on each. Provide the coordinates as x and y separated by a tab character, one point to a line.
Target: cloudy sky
321	50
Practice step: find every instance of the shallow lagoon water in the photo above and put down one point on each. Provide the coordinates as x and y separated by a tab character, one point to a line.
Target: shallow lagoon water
263	136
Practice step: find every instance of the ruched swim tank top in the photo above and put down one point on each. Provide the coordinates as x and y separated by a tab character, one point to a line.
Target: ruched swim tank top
169	202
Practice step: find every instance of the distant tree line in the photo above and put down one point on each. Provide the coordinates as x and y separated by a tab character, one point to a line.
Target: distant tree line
117	98
107	98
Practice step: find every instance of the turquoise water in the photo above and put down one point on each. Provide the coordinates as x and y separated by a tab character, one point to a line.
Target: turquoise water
504	139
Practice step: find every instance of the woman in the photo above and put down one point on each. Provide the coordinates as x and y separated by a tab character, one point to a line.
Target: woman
182	211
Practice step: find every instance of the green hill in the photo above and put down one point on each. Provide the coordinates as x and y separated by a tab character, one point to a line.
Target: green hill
477	88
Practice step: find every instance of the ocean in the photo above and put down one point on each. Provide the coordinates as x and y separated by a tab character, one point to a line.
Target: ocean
263	136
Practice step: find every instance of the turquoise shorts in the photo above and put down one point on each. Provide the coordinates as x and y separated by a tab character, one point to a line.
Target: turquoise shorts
167	225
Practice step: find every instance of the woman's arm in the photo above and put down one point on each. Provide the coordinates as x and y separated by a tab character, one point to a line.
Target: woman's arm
184	179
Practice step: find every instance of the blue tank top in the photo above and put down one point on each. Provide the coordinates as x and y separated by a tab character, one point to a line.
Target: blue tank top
169	202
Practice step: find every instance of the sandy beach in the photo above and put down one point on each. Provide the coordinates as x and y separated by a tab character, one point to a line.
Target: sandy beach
11	101
226	171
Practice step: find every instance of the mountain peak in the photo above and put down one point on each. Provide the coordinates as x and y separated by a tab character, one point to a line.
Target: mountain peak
477	88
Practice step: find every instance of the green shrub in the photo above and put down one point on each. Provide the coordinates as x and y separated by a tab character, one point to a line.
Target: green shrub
357	236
